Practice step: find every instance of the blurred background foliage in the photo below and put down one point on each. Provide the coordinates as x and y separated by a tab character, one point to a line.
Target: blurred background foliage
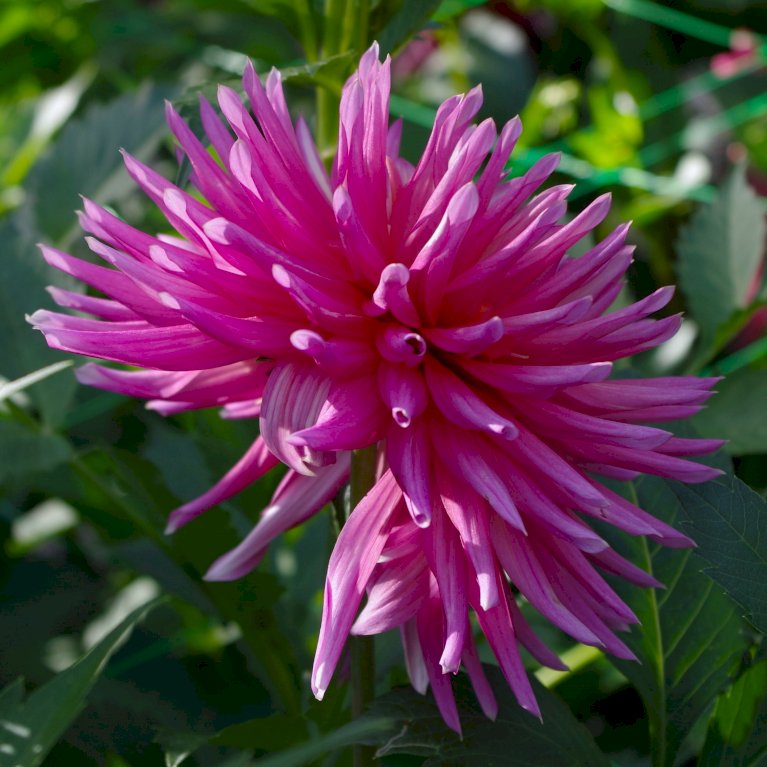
662	104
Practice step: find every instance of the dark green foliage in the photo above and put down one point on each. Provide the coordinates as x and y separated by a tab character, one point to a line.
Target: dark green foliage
728	521
690	638
737	413
30	728
218	677
559	740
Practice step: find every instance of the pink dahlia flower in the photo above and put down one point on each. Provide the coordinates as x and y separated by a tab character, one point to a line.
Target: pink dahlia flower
431	310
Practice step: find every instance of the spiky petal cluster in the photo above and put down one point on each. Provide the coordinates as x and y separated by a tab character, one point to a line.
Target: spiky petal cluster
432	310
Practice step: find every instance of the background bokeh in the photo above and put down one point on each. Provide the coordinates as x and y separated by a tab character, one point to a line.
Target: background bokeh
665	107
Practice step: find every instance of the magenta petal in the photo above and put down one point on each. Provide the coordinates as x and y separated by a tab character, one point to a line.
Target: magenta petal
355	554
295	500
254	464
459	403
414	662
431	638
293	398
351	418
482	689
395	596
437	313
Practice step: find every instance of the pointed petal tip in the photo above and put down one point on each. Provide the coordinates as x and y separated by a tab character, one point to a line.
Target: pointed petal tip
175	522
219	571
532	707
319	684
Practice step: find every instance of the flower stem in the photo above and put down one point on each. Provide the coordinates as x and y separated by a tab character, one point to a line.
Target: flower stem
362	652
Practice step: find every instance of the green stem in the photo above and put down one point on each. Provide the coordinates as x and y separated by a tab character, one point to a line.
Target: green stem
362	651
308	31
657	706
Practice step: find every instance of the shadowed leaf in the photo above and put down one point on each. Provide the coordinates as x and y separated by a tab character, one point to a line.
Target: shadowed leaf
728	521
559	741
690	636
738	413
29	729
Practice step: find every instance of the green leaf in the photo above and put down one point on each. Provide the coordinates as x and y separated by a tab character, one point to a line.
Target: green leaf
738	413
22	291
29	729
737	732
24	451
355	732
690	634
86	160
719	251
559	741
406	20
179	746
728	521
271	733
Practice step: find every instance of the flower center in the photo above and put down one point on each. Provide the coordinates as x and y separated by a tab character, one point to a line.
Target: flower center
397	343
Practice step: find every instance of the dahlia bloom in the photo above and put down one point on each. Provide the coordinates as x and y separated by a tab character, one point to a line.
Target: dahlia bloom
431	310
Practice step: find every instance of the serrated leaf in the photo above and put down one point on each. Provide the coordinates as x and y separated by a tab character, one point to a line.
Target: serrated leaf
719	252
737	732
24	451
738	413
22	290
689	636
728	521
85	160
559	741
29	729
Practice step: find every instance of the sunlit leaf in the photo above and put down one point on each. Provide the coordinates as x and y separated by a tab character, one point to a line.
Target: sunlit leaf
737	732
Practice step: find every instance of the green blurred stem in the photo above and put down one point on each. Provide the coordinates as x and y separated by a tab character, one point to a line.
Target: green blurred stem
328	101
362	651
308	31
345	28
